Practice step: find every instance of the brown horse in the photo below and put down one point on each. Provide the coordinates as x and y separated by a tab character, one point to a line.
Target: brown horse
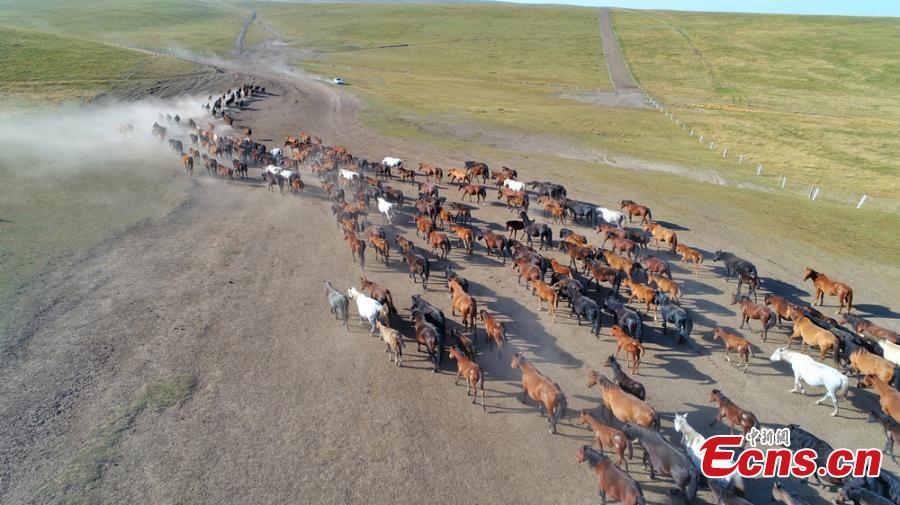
613	481
464	303
605	435
620	263
475	190
560	269
889	398
431	171
812	335
393	341
381	294
734	343
729	410
546	293
541	389
864	327
624	407
493	242
865	363
425	225
439	242
751	310
825	286
633	349
785	310
641	293
634	209
662	234
665	285
469	370
689	255
382	248
465	236
494	331
428	335
459	176
357	248
623	246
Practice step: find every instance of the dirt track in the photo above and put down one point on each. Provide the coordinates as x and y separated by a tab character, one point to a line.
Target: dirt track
290	408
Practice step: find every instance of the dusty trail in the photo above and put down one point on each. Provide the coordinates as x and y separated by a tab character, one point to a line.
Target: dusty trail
288	407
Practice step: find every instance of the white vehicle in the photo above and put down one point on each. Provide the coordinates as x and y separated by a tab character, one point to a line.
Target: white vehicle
338	81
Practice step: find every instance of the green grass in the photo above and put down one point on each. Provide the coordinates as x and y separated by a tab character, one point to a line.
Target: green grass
172	24
42	67
810	97
76	483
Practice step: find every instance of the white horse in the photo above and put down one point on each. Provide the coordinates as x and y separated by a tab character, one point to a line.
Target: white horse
693	441
891	351
350	175
514	185
612	216
369	308
386	208
392	162
276	152
813	373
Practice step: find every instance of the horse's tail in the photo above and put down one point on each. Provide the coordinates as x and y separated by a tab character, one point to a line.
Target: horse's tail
771	322
692	486
390	303
630	447
849	300
649	215
674	241
845	386
426	271
560	408
655	422
385	313
688	326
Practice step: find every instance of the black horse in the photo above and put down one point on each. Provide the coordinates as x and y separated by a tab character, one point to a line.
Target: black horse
585	308
735	265
673	313
436	317
628	319
584	211
542	231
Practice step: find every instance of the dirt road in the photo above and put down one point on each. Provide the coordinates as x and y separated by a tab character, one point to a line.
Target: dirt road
288	407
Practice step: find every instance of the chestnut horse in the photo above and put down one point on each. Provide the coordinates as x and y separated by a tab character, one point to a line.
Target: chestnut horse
734	343
494	331
825	286
464	303
613	481
662	234
864	327
541	389
812	335
889	398
608	436
624	407
634	209
469	370
750	310
729	410
431	171
633	349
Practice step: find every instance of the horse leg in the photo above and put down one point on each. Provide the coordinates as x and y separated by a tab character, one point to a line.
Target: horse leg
602	496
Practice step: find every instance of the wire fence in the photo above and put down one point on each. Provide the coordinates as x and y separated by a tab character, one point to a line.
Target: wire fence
755	175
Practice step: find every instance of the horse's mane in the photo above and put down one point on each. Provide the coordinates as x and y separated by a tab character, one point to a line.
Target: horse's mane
593	457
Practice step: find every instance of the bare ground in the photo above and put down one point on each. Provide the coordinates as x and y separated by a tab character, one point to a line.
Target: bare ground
288	407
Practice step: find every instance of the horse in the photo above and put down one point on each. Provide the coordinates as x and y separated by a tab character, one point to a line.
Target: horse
369	309
859	495
386	208
435	317
734	343
464	343
541	389
623	246
393	342
826	286
625	407
478	168
785	310
494	331
469	370
891	430
693	441
621	263
612	216
751	282
751	310
475	190
656	266
357	248
439	242
464	303
812	335
429	335
585	308
666	459
418	266
542	231
382	248
689	255
465	237
662	234
432	171
602	273
641	293
889	398
546	293
802	439
665	285
865	363
633	348
338	303
735	415
735	265
572	237
786	496
605	435
890	350
613	481
459	176
814	374
671	312
514	185
863	326
629	385
494	242
634	209
628	319
380	293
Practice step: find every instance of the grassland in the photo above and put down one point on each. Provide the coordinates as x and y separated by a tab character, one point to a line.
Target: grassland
170	24
810	97
38	67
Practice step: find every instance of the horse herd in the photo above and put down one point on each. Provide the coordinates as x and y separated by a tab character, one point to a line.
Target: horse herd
355	185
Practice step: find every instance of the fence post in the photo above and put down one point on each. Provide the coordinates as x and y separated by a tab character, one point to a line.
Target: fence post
862	201
783	182
725	152
692	132
711	144
815	193
741	160
701	139
759	170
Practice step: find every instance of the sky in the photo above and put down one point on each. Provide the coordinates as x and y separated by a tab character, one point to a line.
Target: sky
826	7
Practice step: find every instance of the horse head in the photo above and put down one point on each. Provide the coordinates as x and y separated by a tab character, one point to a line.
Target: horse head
780	354
518	360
